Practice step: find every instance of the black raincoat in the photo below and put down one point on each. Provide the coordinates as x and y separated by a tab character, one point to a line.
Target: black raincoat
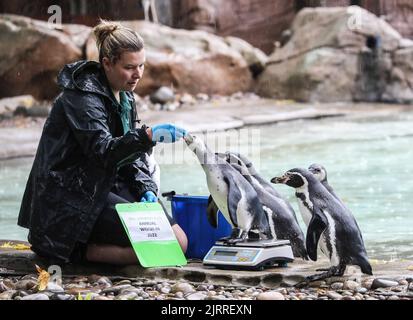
82	151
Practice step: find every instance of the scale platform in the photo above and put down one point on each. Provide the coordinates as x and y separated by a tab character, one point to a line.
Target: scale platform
249	255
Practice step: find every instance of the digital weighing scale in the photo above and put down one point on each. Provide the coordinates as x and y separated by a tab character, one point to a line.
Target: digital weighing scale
249	255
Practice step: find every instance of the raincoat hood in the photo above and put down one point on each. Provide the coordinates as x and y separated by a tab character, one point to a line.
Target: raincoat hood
87	76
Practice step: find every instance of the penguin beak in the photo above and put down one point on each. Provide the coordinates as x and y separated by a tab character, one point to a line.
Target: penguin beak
188	139
221	155
281	180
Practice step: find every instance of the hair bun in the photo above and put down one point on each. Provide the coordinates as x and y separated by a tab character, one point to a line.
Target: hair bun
103	30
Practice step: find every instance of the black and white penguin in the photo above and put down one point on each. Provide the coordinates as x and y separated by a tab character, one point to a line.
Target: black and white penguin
330	225
281	216
320	173
237	158
233	195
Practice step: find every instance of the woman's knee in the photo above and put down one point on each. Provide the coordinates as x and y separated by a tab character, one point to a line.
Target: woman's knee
181	237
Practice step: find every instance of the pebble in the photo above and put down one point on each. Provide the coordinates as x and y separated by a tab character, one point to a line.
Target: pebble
53	287
196	296
184	287
337	286
117	289
270	295
351	285
102	288
37	296
334	295
383	283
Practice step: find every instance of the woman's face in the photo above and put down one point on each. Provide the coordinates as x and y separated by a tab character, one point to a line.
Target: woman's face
125	74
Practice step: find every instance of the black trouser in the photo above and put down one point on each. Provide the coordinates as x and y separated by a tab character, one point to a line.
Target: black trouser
108	228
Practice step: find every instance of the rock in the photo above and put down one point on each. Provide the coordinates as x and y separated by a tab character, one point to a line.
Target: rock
383	283
6	285
190	61
127	296
196	296
256	21
393	298
7	295
317	284
179	295
162	95
360	59
117	289
78	34
399	86
26	285
31	55
270	295
64	297
104	282
123	282
351	285
165	290
334	295
102	298
337	286
12	105
255	58
37	296
53	287
367	283
202	287
183	287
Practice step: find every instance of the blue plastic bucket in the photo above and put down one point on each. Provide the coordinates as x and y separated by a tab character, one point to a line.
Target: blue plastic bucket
190	213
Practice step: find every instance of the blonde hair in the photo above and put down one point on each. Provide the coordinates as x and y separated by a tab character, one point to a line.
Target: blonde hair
112	39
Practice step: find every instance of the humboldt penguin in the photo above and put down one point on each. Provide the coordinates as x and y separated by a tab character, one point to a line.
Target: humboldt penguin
281	216
320	173
330	225
233	195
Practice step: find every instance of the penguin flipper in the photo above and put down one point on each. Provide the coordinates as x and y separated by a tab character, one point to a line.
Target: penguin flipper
212	212
234	197
316	227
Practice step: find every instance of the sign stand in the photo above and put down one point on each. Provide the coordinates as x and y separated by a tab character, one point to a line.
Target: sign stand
151	235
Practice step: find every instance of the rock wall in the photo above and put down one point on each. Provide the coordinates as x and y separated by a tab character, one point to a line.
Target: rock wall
260	22
340	54
31	55
190	61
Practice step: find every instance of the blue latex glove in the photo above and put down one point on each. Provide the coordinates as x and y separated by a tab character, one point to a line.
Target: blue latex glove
167	133
149	196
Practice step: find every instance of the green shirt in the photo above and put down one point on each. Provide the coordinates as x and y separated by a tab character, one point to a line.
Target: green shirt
125	111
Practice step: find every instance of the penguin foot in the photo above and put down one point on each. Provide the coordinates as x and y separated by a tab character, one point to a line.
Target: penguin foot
331	272
232	241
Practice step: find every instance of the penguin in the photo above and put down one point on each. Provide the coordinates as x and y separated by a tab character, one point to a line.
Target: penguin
320	173
233	195
330	225
238	158
283	221
154	169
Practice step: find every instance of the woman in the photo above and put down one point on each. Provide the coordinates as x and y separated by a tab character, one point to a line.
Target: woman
89	157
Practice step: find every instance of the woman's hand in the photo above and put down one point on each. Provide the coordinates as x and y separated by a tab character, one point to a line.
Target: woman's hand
167	133
149	196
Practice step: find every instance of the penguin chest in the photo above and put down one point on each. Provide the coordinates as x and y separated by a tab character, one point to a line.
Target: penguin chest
306	214
328	240
219	191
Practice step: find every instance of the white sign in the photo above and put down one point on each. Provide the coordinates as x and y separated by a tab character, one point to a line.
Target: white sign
148	226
